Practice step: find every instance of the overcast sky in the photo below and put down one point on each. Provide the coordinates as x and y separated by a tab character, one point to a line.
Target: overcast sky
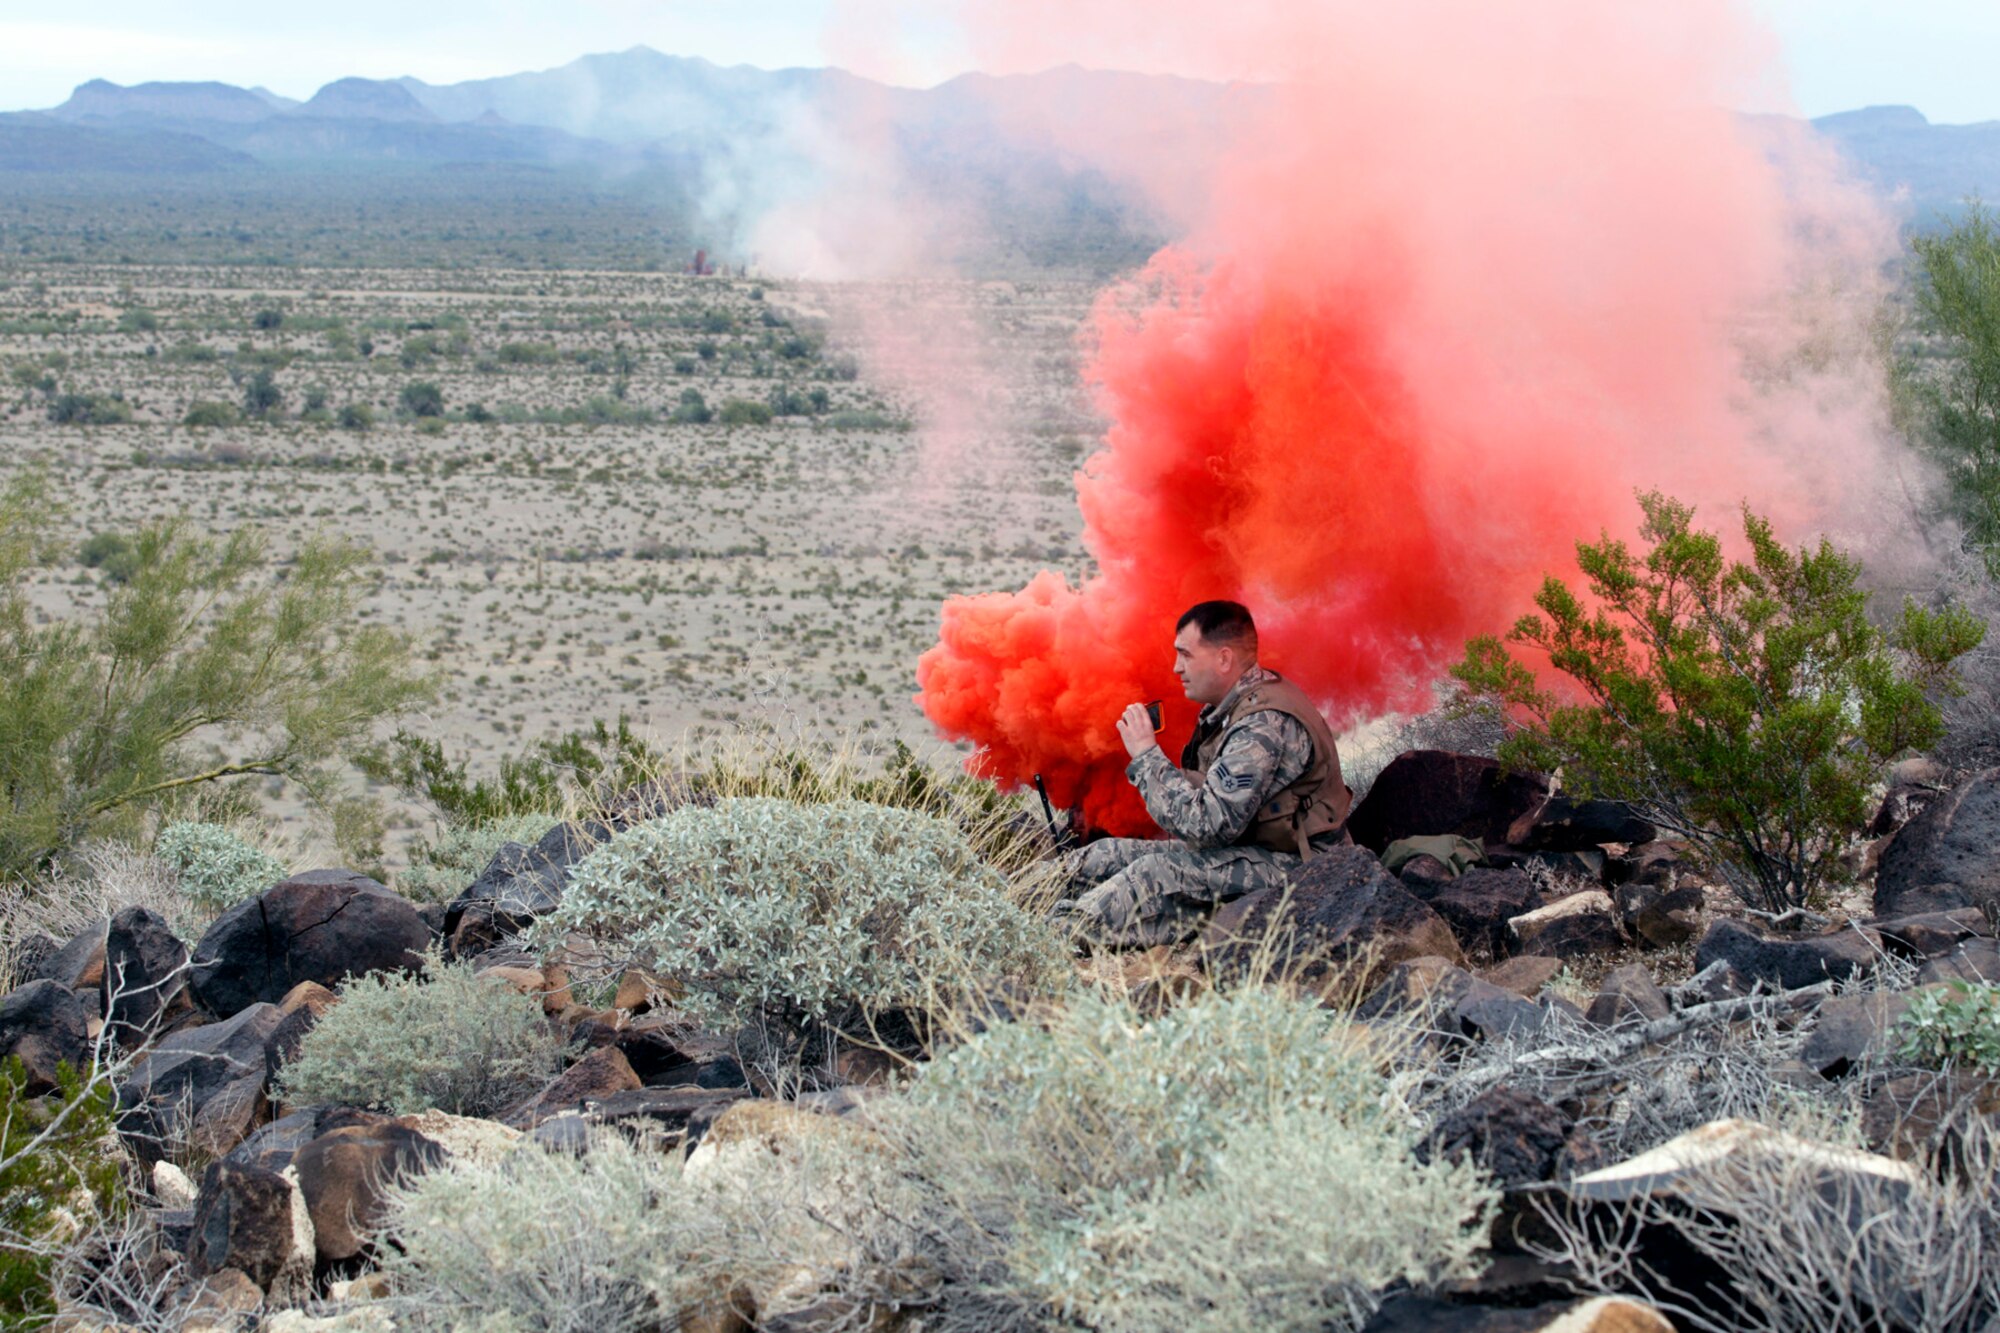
1937	55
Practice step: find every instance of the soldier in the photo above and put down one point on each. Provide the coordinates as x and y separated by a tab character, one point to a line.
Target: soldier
1258	790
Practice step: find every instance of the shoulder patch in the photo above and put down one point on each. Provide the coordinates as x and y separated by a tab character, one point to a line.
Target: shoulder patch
1224	778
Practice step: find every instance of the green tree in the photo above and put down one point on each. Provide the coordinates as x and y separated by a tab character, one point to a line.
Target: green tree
1957	395
1746	707
199	668
52	1160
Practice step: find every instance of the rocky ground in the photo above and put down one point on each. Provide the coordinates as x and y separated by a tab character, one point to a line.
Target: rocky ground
1599	1028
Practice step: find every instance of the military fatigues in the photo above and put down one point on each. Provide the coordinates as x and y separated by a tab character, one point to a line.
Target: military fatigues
1259	779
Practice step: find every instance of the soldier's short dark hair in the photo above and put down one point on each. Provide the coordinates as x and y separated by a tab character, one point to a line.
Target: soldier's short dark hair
1225	624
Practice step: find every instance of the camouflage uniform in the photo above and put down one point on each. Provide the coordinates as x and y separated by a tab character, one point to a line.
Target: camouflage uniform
1150	892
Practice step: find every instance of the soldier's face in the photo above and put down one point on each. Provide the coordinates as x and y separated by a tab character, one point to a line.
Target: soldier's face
1205	668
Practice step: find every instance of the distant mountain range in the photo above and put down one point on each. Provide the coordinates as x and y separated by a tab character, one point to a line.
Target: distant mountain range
737	137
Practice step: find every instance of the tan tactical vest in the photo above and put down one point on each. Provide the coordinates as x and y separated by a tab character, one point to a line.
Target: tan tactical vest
1315	802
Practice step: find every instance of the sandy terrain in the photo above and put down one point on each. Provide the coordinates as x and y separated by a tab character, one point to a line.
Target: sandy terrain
689	576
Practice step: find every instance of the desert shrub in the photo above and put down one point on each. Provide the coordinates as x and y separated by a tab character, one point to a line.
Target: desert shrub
267	320
1745	707
261	395
744	412
528	354
217	869
137	319
859	419
1810	1237
111	552
203	412
438	873
449	1039
568	1243
1231	1164
610	757
773	912
692	409
1949	396
356	417
54	1177
1957	1024
420	398
89	409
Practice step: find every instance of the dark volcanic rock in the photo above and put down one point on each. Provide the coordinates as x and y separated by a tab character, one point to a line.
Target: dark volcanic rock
1561	824
1929	934
1661	915
345	1175
45	1024
1517	1137
1904	802
1478	904
145	971
322	926
1577	926
205	1084
1789	961
1628	995
80	962
1848	1027
1342	907
593	1078
1975	961
1946	857
254	1220
1434	791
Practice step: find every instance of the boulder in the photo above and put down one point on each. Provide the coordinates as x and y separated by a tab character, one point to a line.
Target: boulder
1787	961
254	1220
1928	934
1849	1027
46	1025
80	962
214	1302
1598	1314
1524	975
274	1145
1516	1137
322	926
522	883
1907	1116
203	1085
345	1176
1903	802
596	1076
465	1139
32	952
1564	824
1478	904
1700	1173
1425	792
1482	1011
1628	995
145	971
1975	961
1339	909
666	1110
1659	914
1948	856
1574	927
1406	986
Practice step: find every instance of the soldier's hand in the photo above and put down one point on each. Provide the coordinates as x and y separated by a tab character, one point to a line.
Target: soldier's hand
1135	728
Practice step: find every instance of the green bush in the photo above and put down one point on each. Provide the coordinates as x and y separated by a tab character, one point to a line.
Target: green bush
1956	417
692	409
217	869
356	417
529	354
209	412
138	319
40	1182
90	409
449	1039
111	552
1747	708
803	915
439	873
1956	1025
267	320
744	412
421	398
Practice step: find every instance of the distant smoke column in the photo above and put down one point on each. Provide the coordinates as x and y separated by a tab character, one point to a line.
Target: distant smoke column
1444	321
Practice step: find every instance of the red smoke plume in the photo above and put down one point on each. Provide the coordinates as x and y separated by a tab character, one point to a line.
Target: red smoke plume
1472	281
